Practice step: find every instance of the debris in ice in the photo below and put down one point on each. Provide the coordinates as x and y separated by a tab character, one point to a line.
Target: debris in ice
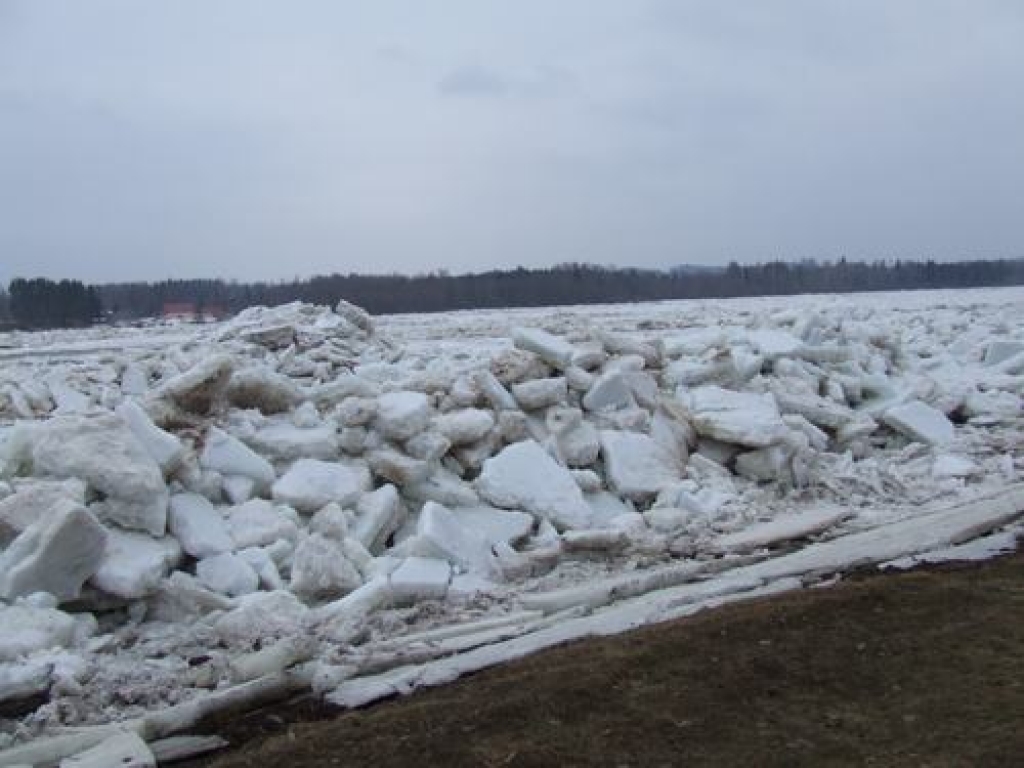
263	389
199	388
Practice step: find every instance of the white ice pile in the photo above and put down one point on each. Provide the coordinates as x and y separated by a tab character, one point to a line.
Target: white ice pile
304	498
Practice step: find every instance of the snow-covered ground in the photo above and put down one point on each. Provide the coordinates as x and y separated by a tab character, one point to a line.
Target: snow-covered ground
307	498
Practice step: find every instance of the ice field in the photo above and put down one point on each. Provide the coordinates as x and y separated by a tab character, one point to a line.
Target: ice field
309	498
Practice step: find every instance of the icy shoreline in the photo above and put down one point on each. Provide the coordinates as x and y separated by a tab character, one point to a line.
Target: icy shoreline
379	504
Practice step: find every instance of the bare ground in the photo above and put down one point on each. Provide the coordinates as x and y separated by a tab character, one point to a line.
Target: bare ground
923	669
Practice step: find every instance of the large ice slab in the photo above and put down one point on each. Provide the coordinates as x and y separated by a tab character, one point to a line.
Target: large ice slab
638	467
402	415
258	522
198	526
124	750
439	534
56	554
523	476
464	426
321	568
135	564
230	456
921	422
550	348
744	418
311	484
25	629
201	386
102	451
33	499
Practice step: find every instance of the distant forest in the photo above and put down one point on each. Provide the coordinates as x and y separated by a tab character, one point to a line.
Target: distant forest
42	303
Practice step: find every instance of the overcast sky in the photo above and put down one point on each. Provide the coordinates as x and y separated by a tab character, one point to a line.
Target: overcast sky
256	139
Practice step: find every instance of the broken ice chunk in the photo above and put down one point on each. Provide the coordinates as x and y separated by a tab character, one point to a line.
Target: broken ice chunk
420	578
402	415
134	564
637	466
230	456
102	451
56	554
320	568
228	574
440	534
310	484
920	422
198	527
744	418
551	349
524	476
258	522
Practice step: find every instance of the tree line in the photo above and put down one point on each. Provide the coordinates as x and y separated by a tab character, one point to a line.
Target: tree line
42	303
574	283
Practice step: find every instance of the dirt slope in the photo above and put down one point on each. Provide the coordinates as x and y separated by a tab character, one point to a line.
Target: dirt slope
925	668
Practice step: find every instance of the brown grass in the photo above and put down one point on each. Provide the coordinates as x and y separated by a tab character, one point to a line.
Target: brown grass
918	669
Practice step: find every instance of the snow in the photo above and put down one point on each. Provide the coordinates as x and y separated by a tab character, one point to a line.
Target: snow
648	455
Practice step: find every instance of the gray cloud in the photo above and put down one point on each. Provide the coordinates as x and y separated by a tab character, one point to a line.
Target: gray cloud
473	80
252	139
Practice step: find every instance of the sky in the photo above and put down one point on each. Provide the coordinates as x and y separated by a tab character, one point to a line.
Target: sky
259	139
